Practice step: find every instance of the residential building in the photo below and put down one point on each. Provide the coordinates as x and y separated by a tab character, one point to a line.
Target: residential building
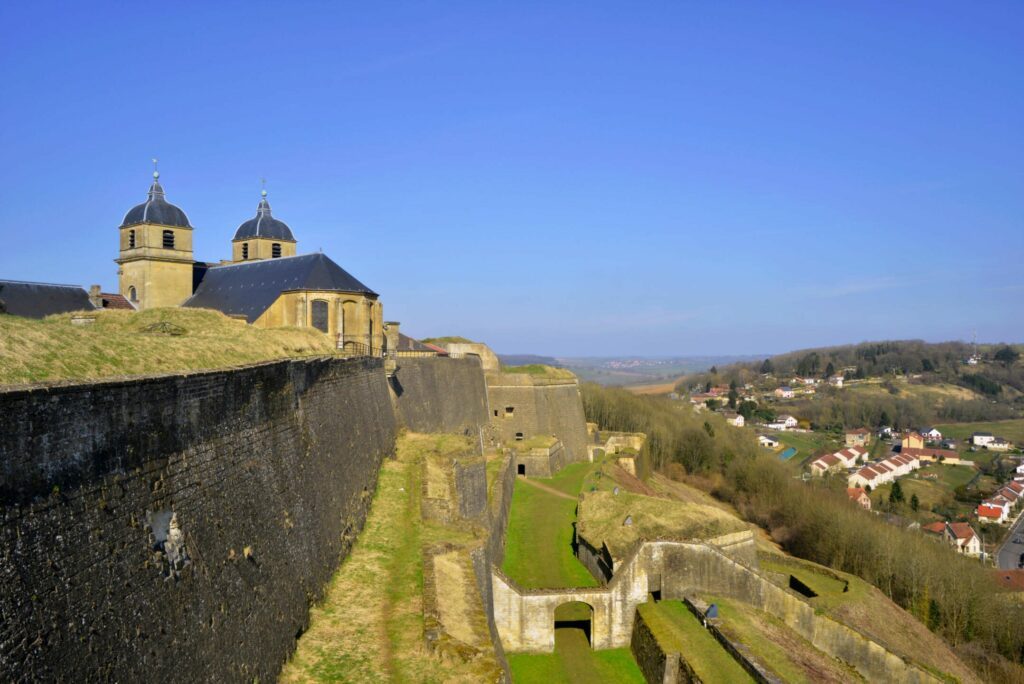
859	497
930	434
733	418
999	444
859	437
836	380
785	392
982	438
884	471
991	512
912	440
959	535
768	441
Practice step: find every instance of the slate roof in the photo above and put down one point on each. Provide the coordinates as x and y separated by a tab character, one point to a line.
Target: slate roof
156	210
264	225
36	300
249	288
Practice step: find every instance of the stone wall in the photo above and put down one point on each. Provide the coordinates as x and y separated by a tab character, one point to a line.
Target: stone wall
178	527
539	406
439	394
541	461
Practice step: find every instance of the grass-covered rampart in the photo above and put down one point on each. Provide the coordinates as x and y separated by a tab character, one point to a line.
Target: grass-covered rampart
119	343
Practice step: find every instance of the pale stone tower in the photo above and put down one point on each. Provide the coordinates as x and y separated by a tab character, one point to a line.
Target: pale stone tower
155	263
263	236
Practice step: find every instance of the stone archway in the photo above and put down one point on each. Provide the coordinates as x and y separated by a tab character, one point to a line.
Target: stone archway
576	615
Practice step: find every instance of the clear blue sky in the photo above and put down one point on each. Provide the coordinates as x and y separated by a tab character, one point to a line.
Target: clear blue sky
568	178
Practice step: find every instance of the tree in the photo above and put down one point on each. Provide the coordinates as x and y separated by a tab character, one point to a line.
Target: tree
1007	355
733	396
915	503
713	404
747	409
767	367
714	370
830	370
896	493
809	365
707	387
884	420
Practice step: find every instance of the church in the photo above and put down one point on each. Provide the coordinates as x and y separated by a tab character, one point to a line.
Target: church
266	282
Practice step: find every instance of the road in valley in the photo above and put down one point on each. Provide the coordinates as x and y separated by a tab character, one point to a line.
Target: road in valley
1009	554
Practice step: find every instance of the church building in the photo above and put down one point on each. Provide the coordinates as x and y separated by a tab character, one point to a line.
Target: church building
266	282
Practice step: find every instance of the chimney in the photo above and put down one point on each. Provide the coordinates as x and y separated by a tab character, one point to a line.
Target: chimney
95	298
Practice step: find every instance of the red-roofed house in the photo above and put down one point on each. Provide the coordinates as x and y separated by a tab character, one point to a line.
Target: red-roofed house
859	437
967	540
990	512
859	497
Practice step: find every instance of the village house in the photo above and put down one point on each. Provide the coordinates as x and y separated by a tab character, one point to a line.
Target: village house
785	392
930	434
982	438
860	497
810	382
912	440
768	441
783	422
886	470
960	535
999	444
844	458
992	512
859	437
733	418
836	380
930	454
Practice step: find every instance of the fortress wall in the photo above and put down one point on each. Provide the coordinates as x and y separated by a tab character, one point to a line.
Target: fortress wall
178	527
541	406
438	394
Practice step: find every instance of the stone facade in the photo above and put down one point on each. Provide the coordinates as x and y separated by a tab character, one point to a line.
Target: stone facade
523	406
541	461
178	527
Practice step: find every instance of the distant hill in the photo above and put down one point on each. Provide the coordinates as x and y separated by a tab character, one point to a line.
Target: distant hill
632	370
528	360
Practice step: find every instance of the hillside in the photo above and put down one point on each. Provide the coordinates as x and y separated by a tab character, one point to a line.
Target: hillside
120	343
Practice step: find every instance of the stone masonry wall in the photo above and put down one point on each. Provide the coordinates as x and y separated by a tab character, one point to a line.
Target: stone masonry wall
178	527
438	394
540	406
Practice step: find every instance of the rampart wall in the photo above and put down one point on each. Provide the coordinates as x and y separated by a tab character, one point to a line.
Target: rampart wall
178	527
539	406
438	394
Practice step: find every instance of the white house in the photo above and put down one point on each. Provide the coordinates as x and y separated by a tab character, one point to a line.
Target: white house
844	458
931	434
1020	469
768	441
733	418
993	512
785	392
999	444
982	438
884	471
836	380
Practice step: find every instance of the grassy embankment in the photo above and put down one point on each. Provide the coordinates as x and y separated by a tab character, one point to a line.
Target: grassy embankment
120	343
540	370
775	645
678	630
1012	430
538	546
369	626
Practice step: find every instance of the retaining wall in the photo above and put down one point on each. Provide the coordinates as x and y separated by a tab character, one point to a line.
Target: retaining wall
440	394
178	527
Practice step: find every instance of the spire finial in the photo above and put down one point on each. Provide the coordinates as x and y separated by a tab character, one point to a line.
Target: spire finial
263	185
156	172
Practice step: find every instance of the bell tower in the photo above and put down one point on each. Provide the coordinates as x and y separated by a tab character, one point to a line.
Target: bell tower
155	261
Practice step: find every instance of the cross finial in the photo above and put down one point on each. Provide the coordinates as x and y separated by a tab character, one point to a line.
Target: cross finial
156	173
263	184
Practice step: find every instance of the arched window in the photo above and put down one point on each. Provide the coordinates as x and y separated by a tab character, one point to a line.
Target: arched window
320	315
275	250
245	250
168	239
131	239
132	294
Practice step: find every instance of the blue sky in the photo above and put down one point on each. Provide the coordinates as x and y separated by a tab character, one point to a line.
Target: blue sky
566	178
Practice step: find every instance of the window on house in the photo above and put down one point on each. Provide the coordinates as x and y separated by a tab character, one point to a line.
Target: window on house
132	295
168	239
245	250
275	250
519	436
131	239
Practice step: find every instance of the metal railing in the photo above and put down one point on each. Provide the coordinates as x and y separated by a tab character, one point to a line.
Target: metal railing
356	345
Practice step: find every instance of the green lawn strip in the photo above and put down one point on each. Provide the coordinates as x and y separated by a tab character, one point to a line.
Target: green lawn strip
574	662
679	630
1012	430
492	470
538	546
570	478
820	583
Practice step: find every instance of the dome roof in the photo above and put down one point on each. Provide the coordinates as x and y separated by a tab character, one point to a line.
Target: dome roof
264	225
156	210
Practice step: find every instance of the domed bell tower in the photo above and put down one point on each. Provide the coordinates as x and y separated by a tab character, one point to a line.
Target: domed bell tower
263	236
155	262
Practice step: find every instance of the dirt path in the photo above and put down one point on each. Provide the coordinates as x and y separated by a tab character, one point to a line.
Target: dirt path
549	490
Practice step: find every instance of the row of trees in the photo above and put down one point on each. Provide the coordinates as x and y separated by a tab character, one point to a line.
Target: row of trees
955	596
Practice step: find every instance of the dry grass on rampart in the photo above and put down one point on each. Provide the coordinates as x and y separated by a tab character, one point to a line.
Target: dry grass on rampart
124	343
602	515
